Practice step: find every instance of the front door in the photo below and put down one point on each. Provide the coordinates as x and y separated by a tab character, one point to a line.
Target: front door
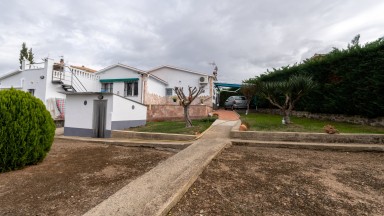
99	118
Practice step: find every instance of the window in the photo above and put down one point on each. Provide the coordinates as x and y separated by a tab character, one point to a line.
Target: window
131	89
31	91
107	87
168	92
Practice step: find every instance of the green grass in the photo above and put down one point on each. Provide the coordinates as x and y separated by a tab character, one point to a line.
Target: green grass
176	127
268	122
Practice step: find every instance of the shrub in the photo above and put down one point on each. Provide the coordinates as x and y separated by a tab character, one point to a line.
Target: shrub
26	130
209	118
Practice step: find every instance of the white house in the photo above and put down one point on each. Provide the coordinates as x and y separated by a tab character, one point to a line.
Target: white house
155	86
57	84
48	82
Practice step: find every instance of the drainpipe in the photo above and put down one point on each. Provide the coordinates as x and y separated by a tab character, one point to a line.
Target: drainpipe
143	87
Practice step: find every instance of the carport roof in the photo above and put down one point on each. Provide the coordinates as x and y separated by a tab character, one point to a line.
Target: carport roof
229	85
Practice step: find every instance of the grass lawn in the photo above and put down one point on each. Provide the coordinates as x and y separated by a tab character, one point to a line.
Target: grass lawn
268	122
176	127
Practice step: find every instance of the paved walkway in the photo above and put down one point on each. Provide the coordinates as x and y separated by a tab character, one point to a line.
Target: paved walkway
158	190
227	115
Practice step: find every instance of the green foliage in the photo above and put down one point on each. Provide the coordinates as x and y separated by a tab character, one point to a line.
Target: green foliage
26	130
209	119
26	54
269	122
176	127
31	56
23	53
350	81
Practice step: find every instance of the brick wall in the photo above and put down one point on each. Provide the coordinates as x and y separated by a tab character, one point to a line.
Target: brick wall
175	112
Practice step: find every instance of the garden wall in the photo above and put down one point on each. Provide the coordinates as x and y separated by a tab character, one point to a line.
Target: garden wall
333	117
176	112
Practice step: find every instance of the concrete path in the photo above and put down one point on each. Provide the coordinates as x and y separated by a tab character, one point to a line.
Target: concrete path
158	190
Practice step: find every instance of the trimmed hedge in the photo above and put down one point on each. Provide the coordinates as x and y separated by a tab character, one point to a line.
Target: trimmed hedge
26	130
350	81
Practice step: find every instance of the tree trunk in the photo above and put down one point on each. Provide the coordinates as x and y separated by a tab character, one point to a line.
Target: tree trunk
286	117
188	122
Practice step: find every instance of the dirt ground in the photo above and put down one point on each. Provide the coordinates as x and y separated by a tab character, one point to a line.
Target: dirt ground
270	181
74	177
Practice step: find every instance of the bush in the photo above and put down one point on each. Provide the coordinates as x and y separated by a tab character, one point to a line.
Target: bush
26	130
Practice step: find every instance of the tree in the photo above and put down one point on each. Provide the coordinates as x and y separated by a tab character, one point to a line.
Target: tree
23	53
186	101
285	94
249	91
26	54
31	56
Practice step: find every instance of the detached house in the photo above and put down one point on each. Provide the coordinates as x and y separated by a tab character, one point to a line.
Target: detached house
123	96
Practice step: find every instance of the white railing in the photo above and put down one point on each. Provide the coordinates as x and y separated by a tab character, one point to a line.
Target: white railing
58	74
84	74
35	65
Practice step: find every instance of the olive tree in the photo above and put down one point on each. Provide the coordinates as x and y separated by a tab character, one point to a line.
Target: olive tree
249	90
285	94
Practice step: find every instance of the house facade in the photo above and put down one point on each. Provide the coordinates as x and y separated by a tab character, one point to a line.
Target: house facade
51	82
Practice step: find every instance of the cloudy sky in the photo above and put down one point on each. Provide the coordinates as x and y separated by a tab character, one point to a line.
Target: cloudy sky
244	38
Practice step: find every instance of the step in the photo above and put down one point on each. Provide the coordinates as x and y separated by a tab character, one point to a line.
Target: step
308	145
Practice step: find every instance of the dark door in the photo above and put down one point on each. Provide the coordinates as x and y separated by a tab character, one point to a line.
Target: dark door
99	117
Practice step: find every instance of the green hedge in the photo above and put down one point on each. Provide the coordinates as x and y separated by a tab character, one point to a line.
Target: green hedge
350	81
26	130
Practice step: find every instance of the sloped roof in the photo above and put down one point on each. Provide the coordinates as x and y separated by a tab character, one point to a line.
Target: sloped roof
157	78
176	68
120	65
89	70
9	74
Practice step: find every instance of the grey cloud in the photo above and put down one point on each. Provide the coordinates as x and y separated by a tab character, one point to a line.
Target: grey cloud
244	38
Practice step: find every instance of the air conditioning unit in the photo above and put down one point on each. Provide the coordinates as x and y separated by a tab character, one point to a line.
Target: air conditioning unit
203	80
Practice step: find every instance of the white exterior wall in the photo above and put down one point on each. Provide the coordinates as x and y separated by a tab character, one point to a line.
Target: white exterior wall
89	80
32	79
124	109
156	87
122	73
76	110
51	90
119	113
180	78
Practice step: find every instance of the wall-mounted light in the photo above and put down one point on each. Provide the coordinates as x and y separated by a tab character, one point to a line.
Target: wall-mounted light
100	97
42	77
133	107
85	102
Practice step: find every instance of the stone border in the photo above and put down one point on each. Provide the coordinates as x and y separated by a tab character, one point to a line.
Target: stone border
151	136
307	137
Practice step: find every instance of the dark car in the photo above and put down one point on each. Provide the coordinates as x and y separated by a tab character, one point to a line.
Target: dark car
236	102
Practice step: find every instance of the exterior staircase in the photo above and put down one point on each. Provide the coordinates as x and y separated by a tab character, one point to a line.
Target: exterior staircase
70	78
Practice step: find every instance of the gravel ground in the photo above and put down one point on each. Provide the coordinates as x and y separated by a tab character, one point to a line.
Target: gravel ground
275	181
73	178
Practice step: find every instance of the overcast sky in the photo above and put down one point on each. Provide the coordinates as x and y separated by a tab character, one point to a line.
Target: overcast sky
244	37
